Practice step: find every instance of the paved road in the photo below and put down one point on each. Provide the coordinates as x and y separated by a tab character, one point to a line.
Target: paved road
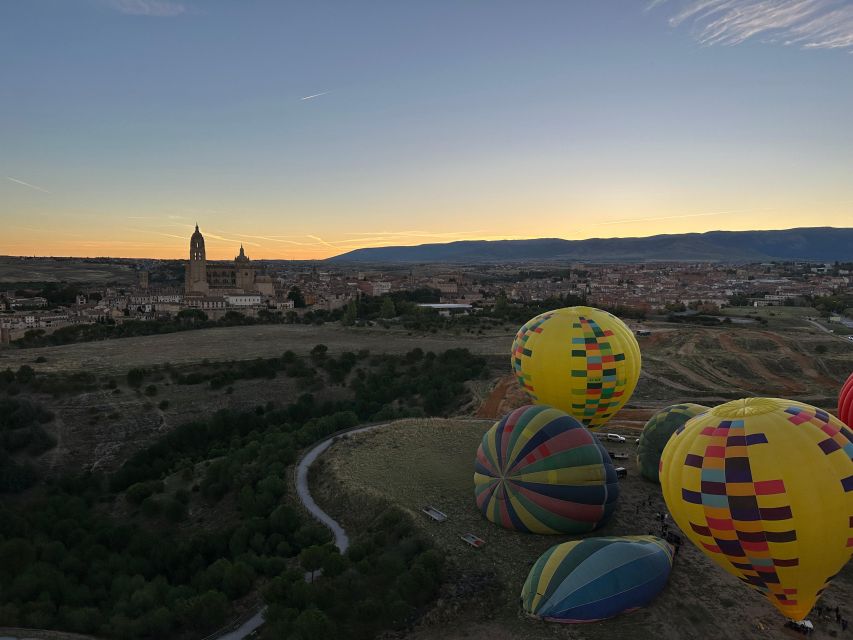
244	629
341	537
832	333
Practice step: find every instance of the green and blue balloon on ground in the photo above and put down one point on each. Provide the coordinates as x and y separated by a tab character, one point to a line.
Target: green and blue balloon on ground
596	578
657	433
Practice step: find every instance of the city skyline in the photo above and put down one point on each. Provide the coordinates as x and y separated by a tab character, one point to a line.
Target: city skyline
307	130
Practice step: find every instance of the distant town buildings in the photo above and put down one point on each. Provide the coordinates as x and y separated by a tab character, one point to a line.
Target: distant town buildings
160	290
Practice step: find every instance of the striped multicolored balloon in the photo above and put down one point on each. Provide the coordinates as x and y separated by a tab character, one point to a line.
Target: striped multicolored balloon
596	578
541	471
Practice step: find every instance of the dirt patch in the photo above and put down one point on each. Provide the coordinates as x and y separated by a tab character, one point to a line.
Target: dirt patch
754	363
505	396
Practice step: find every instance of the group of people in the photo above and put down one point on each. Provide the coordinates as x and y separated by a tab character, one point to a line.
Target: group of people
664	526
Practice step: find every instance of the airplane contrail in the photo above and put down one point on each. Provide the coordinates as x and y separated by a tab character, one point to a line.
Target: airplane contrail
27	184
316	95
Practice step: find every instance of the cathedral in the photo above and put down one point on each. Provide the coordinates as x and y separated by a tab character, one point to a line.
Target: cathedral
220	278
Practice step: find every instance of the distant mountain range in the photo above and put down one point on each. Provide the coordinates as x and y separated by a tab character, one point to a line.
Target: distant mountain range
825	244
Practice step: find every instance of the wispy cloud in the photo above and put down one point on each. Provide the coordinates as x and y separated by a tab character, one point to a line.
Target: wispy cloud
208	234
809	24
151	8
27	184
419	234
316	95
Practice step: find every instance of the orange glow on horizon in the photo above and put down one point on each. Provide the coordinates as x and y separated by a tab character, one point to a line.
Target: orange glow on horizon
325	232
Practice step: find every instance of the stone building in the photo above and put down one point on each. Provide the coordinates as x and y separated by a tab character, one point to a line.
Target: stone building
222	278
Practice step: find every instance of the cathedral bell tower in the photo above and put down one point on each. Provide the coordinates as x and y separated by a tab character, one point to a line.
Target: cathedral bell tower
196	269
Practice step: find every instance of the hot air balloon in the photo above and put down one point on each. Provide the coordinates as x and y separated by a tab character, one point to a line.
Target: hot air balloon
764	487
539	470
657	432
596	578
579	359
845	402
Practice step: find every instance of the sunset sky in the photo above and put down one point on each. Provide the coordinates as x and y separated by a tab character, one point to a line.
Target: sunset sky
306	129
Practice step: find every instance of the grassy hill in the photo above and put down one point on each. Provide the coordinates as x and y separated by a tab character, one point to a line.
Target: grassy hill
417	463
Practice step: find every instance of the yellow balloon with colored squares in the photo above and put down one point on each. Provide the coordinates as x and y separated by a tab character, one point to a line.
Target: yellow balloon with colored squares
582	360
764	487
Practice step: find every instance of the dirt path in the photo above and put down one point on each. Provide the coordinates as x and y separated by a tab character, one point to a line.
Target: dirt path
805	363
755	365
687	376
700	378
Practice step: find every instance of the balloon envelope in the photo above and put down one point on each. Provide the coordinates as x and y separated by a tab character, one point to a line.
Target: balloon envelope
764	487
582	360
845	402
539	470
657	432
596	578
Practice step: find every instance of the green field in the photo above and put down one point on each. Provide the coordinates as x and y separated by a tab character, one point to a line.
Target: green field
415	463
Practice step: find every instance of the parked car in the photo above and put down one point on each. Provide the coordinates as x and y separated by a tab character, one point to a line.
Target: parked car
612	437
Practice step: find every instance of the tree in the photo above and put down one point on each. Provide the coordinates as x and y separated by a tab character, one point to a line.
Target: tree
388	309
296	295
284	520
312	558
312	624
135	377
191	316
237	580
334	564
501	304
26	374
206	611
350	314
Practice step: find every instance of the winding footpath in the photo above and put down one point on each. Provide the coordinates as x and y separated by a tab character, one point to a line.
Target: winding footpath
304	494
253	623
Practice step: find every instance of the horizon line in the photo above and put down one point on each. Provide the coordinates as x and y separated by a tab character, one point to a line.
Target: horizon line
423	244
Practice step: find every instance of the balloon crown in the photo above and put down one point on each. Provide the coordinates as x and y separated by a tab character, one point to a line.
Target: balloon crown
747	407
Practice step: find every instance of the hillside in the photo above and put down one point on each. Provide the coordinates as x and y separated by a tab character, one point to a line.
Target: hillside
808	243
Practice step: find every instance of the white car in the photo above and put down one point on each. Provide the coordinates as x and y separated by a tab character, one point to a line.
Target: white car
612	437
